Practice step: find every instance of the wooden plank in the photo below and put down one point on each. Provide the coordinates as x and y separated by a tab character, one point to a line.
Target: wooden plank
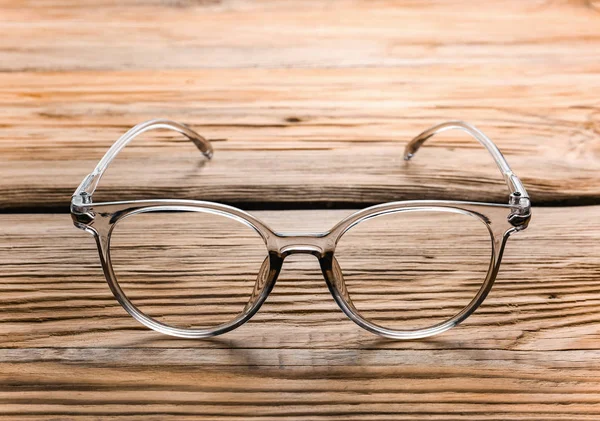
279	137
306	103
165	34
68	350
427	387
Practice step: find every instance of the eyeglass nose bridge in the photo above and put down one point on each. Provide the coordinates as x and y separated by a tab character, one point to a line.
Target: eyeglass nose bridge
316	244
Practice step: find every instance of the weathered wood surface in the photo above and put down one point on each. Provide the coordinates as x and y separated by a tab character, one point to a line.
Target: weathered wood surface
305	102
167	34
68	350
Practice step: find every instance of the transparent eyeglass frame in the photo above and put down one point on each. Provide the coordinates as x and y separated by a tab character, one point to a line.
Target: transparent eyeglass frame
100	219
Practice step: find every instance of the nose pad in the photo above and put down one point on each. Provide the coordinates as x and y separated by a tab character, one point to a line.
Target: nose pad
259	285
340	284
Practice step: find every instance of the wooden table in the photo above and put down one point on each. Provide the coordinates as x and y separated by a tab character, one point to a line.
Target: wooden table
309	106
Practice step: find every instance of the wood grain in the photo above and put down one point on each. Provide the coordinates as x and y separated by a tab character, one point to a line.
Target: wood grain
68	350
190	34
315	116
346	148
308	105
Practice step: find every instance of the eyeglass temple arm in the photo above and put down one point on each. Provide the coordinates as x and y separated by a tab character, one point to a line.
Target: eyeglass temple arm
515	186
89	184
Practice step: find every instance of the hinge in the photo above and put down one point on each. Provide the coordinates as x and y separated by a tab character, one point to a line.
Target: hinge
520	213
80	213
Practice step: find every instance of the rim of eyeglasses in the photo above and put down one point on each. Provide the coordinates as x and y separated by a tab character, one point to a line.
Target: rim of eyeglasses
100	219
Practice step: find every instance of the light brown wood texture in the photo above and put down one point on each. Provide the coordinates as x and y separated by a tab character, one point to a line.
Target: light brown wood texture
306	102
165	34
68	350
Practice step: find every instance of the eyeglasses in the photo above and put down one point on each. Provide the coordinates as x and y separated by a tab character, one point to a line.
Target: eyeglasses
403	270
